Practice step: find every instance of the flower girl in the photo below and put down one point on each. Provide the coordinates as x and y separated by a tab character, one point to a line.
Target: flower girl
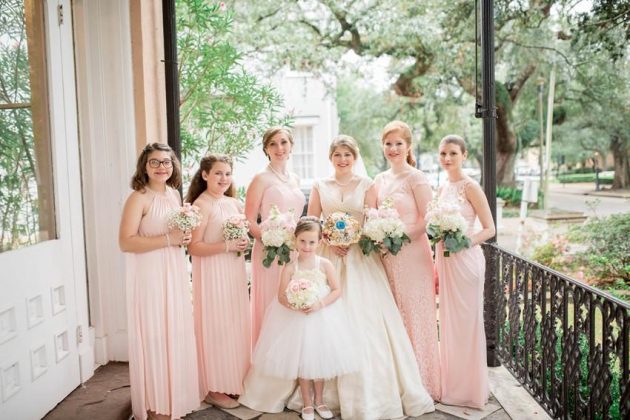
306	333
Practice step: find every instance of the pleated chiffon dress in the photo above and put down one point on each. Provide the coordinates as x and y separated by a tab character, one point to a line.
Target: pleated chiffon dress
221	306
162	353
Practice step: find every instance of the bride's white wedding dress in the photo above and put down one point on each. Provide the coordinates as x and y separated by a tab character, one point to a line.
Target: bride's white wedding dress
388	384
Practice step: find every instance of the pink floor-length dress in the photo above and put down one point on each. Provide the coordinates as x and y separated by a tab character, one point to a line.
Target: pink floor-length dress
410	275
221	306
265	281
162	354
462	334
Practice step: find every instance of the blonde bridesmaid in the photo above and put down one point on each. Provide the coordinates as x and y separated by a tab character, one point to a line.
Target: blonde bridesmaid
464	373
274	185
220	296
162	356
410	272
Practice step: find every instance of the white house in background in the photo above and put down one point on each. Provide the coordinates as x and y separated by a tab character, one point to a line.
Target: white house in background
315	123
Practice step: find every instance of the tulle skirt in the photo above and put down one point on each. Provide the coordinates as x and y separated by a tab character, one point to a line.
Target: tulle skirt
318	345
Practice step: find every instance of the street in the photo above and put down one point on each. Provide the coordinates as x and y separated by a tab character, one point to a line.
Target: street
572	197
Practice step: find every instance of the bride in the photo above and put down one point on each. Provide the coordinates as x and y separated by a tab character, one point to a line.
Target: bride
388	384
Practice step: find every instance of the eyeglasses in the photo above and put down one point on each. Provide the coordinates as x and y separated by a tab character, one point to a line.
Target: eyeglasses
155	163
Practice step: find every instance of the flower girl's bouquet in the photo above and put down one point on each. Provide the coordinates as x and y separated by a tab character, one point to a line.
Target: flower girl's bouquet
341	229
446	223
185	218
277	236
235	227
383	230
302	293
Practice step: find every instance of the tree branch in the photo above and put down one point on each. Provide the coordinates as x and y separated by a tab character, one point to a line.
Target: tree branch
520	81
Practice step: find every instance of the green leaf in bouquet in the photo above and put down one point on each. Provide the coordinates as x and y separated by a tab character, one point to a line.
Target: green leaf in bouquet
284	254
367	245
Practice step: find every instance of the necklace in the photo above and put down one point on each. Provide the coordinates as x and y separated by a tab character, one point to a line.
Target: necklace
282	177
343	184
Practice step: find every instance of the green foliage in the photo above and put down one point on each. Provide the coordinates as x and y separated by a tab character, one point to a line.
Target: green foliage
283	252
607	27
223	108
608	249
390	244
454	241
19	205
554	253
604	178
512	196
528	133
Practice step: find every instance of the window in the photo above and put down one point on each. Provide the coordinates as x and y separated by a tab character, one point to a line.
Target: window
26	183
303	152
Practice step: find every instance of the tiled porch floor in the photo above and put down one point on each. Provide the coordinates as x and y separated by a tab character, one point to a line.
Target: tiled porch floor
106	397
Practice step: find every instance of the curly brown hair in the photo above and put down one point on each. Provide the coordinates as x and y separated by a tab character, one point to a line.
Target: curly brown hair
140	178
199	185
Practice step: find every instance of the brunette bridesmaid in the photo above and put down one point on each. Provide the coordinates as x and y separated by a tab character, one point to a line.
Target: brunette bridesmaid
410	272
162	355
464	373
220	296
275	185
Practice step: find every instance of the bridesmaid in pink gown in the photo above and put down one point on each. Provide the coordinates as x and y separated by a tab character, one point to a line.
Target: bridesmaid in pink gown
464	373
220	296
162	356
410	272
274	185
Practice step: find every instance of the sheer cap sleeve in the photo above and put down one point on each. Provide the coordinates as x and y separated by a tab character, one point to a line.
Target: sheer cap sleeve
417	178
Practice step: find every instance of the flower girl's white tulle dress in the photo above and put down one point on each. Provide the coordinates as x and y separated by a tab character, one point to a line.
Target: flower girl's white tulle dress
318	345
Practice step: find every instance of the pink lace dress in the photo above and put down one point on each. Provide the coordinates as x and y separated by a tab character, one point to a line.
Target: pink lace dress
410	275
462	334
162	355
221	306
265	281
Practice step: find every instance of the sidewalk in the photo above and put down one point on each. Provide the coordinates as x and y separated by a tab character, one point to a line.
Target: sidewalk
106	397
588	188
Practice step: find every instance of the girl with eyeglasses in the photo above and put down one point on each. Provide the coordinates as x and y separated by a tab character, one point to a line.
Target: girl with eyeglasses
162	352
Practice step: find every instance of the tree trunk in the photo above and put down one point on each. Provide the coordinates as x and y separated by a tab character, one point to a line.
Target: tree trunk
506	149
619	149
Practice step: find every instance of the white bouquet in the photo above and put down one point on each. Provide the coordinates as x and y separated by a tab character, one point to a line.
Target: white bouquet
383	229
184	218
302	293
446	223
235	227
277	236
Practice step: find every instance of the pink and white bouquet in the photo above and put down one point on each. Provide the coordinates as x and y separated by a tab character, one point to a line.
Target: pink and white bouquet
235	227
277	236
185	218
341	229
383	230
302	293
446	223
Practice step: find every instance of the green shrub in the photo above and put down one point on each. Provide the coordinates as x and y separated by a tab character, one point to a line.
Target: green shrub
511	196
608	248
604	178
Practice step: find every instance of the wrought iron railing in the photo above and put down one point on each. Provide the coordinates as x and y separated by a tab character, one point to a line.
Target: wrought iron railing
564	341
